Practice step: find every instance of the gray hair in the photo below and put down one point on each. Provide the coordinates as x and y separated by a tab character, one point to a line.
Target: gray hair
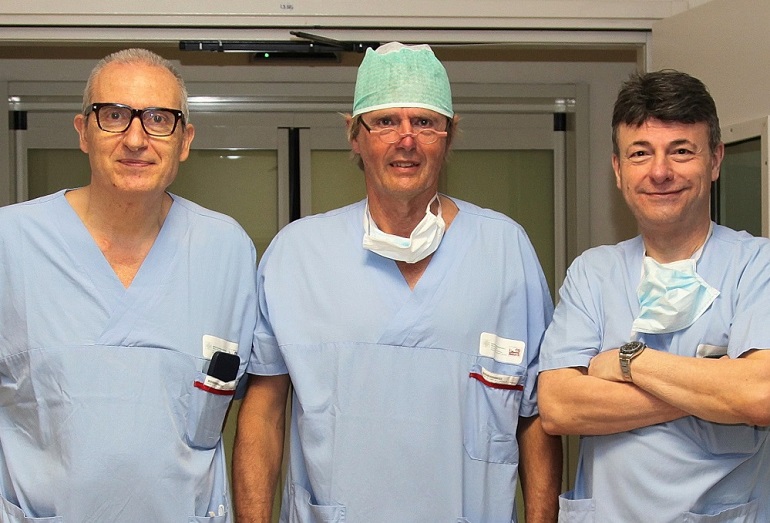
135	56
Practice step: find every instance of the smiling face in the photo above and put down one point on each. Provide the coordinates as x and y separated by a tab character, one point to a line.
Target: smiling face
406	170
134	162
665	170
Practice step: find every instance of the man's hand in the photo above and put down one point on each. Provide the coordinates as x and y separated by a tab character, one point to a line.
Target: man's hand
606	366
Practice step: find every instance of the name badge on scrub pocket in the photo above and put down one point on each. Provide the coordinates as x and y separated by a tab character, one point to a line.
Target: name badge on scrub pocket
212	345
501	349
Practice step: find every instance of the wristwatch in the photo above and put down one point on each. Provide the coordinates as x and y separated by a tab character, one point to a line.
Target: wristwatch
628	352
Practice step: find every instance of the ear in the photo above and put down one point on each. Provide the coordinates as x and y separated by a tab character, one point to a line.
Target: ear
455	122
716	161
616	168
81	126
352	139
187	138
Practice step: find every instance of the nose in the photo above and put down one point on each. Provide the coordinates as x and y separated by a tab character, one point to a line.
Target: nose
660	169
408	138
407	141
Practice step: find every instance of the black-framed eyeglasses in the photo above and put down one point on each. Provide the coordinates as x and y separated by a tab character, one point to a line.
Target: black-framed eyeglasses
117	118
391	135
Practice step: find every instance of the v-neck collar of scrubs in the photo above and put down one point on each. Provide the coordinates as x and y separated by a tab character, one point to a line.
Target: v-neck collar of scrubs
413	304
92	261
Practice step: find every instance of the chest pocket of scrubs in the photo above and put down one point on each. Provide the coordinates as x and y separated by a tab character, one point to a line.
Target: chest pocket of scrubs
492	414
206	413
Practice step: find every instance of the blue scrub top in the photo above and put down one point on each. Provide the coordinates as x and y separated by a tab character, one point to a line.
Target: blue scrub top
687	469
100	416
402	409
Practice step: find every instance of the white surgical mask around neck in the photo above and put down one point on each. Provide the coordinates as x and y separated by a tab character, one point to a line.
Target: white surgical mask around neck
421	243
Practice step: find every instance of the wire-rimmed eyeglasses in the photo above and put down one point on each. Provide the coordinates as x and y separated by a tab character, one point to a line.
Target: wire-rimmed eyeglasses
391	135
117	118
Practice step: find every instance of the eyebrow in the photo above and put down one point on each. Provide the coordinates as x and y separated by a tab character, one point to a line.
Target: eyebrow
676	143
682	141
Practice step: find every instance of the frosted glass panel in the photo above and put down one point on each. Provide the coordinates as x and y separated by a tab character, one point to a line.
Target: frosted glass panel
739	187
51	170
516	183
336	180
242	184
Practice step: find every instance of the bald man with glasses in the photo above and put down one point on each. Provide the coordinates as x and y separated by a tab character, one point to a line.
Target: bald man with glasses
126	317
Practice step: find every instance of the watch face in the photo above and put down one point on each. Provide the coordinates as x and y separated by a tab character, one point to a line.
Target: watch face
632	347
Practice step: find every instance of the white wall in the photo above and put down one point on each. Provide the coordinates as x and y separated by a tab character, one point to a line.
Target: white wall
725	43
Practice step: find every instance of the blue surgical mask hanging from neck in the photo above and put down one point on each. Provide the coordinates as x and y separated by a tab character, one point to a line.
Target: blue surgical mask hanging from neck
423	241
672	296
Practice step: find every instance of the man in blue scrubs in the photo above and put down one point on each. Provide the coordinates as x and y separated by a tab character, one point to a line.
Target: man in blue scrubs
656	351
410	325
114	297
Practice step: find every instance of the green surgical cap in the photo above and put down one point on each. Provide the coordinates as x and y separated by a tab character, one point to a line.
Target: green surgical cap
397	75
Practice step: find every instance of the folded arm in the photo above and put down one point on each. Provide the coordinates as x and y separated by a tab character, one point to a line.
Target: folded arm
573	402
724	390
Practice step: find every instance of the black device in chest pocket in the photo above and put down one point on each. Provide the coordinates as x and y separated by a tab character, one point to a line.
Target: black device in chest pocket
224	366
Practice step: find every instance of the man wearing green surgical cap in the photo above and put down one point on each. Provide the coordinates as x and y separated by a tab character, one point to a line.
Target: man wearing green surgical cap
409	325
